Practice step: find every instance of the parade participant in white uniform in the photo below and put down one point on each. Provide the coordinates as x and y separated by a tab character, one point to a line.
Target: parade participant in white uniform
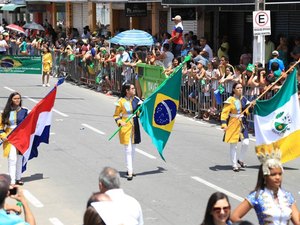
12	115
130	133
235	125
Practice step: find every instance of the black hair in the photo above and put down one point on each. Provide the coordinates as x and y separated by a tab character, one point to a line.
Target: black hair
274	66
178	59
208	218
4	187
92	217
240	68
260	184
166	46
197	49
9	107
125	86
233	87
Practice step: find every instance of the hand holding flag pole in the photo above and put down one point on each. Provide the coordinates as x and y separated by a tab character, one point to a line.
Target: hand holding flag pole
187	58
269	88
129	118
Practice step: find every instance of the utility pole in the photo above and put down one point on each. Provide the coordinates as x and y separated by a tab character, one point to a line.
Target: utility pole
259	40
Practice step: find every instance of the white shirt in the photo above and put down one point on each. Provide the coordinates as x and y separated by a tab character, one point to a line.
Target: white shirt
129	207
2	44
124	57
209	51
168	60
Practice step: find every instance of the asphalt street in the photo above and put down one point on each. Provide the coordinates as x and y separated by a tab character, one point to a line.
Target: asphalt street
59	182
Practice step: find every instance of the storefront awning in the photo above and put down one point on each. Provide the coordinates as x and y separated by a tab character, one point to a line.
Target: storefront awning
11	7
56	1
225	2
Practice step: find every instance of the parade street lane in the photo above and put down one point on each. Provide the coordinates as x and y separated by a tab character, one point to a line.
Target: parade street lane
173	192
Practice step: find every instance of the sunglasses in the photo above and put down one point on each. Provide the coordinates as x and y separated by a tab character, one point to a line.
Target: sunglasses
218	210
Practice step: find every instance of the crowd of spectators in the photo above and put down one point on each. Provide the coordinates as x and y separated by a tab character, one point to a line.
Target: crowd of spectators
207	78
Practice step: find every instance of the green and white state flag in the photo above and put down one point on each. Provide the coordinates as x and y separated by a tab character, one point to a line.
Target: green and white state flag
277	121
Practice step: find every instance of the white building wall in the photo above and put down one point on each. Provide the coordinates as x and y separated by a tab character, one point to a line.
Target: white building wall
80	16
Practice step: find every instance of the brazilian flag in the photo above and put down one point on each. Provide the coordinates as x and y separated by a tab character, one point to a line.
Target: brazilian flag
159	110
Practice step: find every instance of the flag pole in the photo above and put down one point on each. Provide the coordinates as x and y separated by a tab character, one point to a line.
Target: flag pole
262	94
271	86
186	59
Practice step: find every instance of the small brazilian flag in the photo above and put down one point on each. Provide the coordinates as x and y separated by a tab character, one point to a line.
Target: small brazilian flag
159	110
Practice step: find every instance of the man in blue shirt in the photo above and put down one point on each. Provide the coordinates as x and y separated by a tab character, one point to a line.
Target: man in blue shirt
275	55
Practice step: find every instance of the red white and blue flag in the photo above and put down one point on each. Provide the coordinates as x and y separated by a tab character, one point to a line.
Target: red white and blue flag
35	128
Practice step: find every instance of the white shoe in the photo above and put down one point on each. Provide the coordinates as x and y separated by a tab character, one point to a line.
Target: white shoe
48	85
44	85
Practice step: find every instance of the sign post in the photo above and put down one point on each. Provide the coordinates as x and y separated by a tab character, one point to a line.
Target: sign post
261	27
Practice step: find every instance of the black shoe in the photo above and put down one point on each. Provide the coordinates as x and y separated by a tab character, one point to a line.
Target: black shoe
19	182
129	177
235	169
243	165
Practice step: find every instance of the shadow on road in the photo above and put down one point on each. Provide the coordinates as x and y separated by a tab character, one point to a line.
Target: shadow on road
158	170
37	176
229	167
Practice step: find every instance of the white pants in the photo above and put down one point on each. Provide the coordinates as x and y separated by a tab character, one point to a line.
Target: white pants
233	151
129	155
14	165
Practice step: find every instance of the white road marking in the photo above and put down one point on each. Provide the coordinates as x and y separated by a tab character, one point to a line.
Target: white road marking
218	188
52	133
253	139
145	153
7	88
33	200
197	121
93	129
31	99
35	101
54	110
55	221
60	113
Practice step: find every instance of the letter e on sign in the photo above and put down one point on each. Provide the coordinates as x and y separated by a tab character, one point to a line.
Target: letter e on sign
261	22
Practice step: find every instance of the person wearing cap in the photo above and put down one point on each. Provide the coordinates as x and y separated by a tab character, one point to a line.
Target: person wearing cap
176	36
275	58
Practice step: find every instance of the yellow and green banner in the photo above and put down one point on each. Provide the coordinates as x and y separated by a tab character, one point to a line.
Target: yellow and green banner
20	64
